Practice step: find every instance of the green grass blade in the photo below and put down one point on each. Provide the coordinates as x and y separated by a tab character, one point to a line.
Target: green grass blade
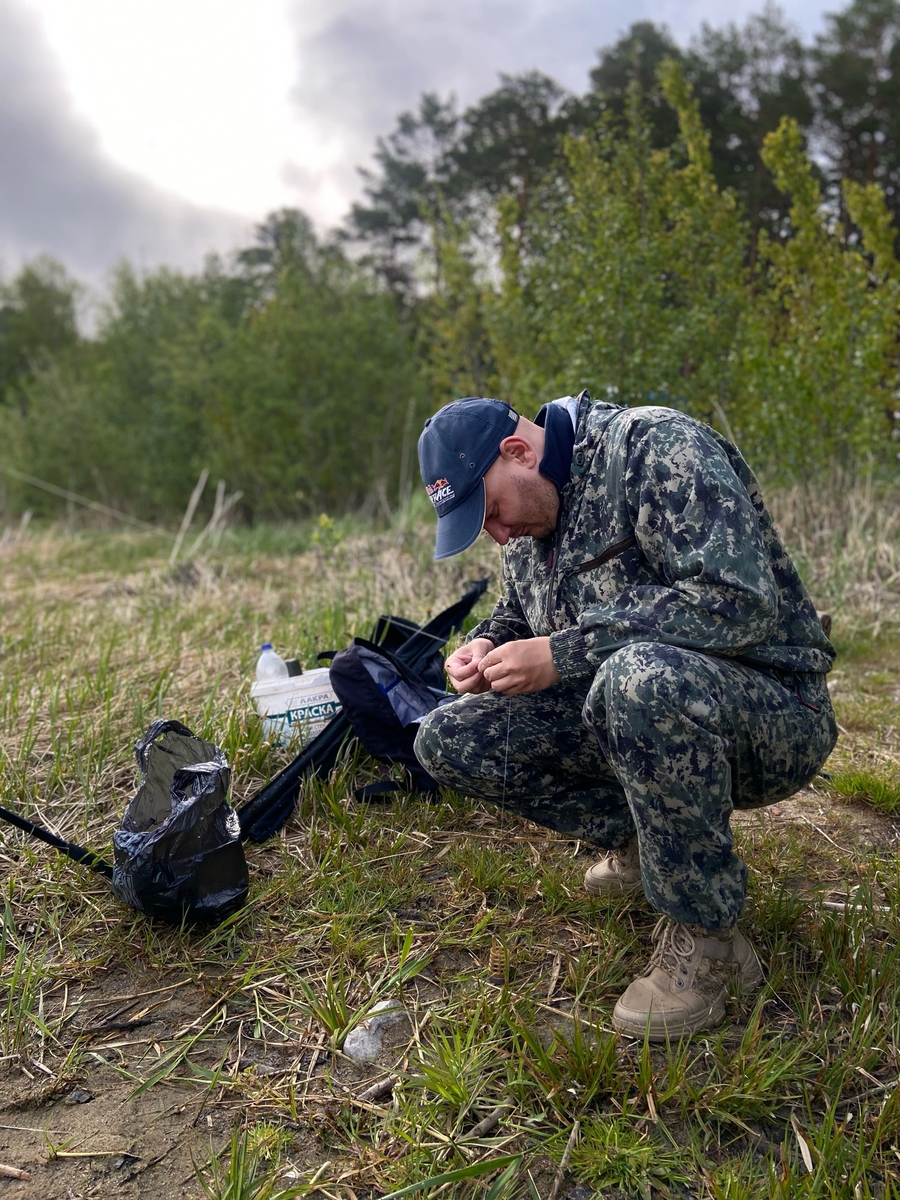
470	1172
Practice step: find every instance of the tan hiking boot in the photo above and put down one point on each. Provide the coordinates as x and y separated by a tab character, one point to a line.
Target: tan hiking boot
683	989
617	873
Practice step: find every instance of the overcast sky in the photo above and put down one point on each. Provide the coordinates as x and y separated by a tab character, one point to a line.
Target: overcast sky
160	129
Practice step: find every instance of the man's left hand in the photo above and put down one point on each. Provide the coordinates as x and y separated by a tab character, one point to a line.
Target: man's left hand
517	667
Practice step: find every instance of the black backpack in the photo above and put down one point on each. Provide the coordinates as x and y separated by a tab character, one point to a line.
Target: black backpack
415	647
384	700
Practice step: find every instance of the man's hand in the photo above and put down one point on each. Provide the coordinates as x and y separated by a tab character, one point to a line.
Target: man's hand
517	667
462	666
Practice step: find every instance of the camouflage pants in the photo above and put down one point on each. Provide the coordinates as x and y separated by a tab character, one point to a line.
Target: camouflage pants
661	741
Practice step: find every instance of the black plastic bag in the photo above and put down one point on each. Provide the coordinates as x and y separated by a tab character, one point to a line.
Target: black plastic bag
178	855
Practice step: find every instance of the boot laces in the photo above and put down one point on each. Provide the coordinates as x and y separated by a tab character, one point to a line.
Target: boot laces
624	859
674	950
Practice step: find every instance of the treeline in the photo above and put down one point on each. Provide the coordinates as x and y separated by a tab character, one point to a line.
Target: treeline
289	374
711	227
842	90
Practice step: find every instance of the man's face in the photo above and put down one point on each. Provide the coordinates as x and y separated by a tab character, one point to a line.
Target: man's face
519	502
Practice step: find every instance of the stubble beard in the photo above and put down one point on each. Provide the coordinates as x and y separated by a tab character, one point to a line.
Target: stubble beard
539	506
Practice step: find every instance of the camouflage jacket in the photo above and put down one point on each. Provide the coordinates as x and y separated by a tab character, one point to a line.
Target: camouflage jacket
662	536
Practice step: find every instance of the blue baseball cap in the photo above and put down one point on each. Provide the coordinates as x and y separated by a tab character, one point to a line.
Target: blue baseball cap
457	447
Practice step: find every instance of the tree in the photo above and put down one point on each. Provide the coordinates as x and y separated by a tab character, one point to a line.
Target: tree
747	79
857	93
635	59
817	355
286	242
298	395
510	143
411	181
37	320
744	80
634	284
440	165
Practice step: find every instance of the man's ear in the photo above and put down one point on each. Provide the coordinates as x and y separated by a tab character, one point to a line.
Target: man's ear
518	449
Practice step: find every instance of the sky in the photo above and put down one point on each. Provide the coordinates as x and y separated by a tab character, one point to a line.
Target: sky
159	130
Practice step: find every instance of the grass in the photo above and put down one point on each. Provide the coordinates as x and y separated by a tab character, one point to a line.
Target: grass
880	789
227	1040
246	1173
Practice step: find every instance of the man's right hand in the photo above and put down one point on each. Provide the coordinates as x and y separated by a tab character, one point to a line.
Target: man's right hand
462	666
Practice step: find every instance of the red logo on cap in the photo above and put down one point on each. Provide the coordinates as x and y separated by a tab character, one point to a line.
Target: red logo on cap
439	491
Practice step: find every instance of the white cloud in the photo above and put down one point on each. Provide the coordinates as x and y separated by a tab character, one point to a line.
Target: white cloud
191	94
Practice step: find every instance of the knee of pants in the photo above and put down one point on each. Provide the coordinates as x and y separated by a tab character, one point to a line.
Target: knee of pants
633	678
440	748
428	743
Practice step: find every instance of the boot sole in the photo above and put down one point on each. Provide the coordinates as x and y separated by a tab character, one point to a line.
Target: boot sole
661	1027
614	889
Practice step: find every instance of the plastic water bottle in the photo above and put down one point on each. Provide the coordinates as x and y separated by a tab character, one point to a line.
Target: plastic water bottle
269	665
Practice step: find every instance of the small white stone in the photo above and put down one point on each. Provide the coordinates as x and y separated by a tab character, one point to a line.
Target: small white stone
363	1042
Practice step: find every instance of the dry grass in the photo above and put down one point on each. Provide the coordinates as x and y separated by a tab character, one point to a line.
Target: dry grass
846	540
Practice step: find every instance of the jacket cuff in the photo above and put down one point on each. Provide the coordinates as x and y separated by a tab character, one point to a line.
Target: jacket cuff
494	632
570	654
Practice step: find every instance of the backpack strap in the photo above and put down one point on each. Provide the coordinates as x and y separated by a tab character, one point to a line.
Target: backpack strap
377	790
76	853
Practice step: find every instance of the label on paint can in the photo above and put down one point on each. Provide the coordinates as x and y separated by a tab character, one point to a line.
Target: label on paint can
298	708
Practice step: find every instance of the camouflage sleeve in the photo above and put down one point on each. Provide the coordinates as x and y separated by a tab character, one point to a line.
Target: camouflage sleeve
697	528
507	623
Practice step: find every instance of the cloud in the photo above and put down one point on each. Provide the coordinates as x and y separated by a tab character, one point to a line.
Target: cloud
361	63
60	195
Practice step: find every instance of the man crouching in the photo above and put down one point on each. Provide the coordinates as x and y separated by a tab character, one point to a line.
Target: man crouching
653	662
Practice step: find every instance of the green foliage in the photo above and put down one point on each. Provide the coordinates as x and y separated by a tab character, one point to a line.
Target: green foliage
458	1065
856	67
745	78
634	284
644	283
666	238
454	337
37	320
289	377
881	789
311	391
614	1153
123	422
438	162
340	1006
245	1174
498	1191
818	349
84	660
842	89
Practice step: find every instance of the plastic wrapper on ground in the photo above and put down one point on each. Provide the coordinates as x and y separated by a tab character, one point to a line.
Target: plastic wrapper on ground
178	854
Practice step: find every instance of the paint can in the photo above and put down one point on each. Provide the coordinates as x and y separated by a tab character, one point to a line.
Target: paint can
297	708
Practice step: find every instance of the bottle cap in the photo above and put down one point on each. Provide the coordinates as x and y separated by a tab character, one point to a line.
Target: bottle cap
266	646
